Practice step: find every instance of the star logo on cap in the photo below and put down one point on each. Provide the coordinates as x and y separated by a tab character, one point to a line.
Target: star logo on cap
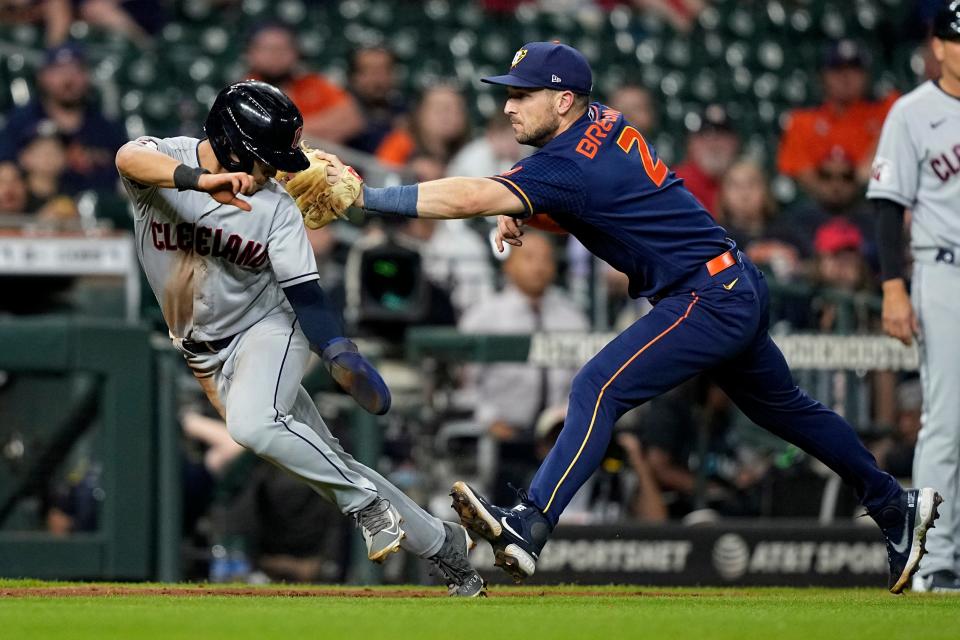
517	57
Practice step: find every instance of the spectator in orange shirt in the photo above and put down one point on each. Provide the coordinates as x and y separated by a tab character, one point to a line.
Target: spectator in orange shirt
329	112
438	129
712	148
846	119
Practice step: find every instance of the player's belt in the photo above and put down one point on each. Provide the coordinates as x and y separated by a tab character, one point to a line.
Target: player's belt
723	261
713	267
206	346
946	255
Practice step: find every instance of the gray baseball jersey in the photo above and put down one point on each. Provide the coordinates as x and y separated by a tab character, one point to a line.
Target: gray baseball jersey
918	164
216	269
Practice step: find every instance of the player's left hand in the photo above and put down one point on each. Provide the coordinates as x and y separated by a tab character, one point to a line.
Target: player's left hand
509	230
225	187
899	320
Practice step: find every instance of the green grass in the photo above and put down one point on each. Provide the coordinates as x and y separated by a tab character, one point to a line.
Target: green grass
531	614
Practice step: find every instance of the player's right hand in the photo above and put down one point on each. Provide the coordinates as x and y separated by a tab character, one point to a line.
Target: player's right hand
899	320
509	230
224	187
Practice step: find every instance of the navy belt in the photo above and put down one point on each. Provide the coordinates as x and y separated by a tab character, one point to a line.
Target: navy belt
206	346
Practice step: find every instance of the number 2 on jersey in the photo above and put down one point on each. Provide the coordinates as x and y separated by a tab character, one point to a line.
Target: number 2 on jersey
656	171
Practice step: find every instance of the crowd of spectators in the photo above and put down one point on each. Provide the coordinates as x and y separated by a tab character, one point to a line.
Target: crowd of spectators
687	451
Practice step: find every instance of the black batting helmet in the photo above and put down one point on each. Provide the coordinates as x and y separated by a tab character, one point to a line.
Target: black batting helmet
946	24
253	120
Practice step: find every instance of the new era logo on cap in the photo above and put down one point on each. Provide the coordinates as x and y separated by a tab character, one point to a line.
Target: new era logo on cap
547	64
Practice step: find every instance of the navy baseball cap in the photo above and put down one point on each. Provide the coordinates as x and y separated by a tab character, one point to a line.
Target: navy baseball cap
946	24
845	53
66	53
547	65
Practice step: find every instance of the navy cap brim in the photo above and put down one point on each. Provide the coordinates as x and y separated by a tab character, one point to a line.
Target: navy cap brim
512	81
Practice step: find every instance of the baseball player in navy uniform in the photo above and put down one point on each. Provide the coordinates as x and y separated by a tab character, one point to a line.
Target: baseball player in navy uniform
598	178
227	256
917	166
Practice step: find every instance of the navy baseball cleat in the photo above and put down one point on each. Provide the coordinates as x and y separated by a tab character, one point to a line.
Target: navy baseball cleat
451	561
905	524
517	535
356	375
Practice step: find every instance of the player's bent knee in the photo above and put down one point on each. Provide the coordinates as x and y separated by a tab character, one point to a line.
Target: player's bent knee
253	434
588	382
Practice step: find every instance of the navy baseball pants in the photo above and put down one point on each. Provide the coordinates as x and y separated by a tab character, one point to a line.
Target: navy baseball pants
715	325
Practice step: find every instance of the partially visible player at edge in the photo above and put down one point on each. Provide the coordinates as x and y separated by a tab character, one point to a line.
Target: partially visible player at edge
915	167
598	178
227	256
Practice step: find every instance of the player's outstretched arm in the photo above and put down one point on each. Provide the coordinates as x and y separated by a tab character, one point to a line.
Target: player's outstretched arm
151	167
444	199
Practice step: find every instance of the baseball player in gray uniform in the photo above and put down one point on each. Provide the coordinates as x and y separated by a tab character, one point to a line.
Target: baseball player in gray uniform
917	167
225	251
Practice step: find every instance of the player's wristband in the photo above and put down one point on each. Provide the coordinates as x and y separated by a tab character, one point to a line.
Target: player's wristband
401	201
187	178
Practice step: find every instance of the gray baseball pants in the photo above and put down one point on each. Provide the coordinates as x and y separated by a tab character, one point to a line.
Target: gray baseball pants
255	385
936	461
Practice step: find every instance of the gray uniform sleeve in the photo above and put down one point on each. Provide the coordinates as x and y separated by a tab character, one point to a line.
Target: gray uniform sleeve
896	167
186	204
289	248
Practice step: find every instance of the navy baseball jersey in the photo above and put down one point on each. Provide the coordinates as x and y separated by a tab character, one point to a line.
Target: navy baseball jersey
604	184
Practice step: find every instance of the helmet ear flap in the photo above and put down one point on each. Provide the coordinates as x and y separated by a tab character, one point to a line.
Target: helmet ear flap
229	157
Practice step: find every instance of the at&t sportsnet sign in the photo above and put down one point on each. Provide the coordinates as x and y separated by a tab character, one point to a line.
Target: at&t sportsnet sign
734	558
777	554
